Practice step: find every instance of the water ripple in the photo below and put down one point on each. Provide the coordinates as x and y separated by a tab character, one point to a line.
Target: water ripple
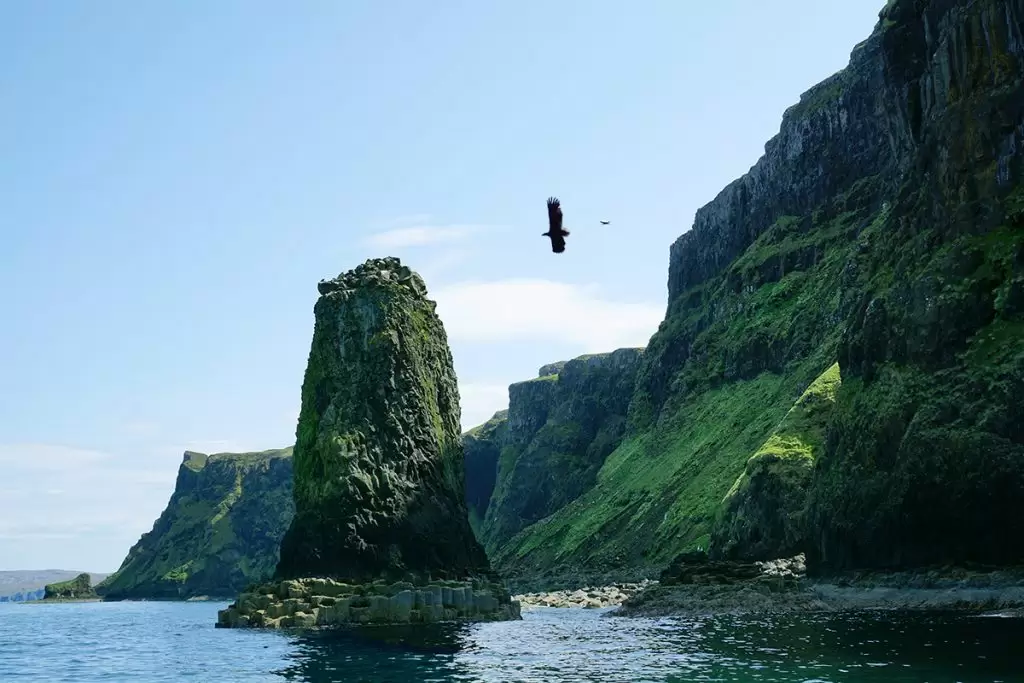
161	642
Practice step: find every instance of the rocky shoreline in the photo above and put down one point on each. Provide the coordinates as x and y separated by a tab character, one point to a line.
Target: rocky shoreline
693	586
587	598
308	603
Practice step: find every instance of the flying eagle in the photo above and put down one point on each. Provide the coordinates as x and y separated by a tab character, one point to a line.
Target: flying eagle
555	231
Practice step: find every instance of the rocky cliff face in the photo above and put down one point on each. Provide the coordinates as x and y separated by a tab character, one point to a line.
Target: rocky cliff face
881	229
561	426
220	531
379	474
482	448
764	515
925	458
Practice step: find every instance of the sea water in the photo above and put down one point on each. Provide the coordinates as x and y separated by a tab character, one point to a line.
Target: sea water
176	641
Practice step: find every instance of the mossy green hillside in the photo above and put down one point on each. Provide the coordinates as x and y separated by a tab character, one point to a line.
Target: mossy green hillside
561	427
764	513
379	473
220	530
732	358
881	229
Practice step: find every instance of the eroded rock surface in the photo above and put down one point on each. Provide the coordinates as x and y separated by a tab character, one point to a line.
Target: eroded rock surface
591	597
309	603
378	469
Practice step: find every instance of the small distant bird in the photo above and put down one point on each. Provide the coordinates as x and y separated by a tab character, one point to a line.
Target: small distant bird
605	222
555	231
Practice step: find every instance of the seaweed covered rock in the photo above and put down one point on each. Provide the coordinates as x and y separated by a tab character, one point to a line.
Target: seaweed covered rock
78	588
924	459
220	531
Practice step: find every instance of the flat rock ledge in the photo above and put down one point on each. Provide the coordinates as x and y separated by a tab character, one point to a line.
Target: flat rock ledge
692	587
586	598
309	603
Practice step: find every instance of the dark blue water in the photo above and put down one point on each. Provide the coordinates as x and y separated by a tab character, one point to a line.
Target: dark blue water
151	641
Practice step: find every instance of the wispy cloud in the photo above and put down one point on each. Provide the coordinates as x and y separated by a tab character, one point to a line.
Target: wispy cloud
421	235
42	456
544	310
54	491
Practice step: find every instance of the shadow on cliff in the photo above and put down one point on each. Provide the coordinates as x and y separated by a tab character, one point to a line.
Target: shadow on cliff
380	654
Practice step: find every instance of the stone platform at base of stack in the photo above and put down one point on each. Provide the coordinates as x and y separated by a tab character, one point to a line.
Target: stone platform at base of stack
307	603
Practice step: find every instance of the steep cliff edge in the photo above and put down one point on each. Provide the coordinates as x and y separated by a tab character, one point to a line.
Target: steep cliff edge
379	470
560	428
220	530
482	446
925	458
881	228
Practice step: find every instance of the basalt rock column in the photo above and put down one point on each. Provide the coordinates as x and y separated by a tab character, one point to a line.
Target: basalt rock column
378	458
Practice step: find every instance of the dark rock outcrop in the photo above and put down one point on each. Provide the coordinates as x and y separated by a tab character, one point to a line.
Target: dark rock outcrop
555	436
482	448
78	588
379	474
381	532
220	531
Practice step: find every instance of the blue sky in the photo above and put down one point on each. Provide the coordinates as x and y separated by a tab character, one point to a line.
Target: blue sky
178	176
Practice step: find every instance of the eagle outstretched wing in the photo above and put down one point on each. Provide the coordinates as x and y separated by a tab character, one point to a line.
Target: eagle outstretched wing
555	231
554	215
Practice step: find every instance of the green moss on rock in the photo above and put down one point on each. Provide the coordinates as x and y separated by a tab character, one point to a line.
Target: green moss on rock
220	531
559	429
882	228
482	448
764	513
78	588
379	473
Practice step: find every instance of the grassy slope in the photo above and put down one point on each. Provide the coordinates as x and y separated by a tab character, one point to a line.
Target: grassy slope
577	418
763	515
758	335
216	535
924	463
482	447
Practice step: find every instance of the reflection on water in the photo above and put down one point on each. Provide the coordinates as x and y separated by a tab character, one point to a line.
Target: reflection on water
380	654
564	645
176	642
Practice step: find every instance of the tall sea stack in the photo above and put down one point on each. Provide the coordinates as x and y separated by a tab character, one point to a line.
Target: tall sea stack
381	531
378	453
